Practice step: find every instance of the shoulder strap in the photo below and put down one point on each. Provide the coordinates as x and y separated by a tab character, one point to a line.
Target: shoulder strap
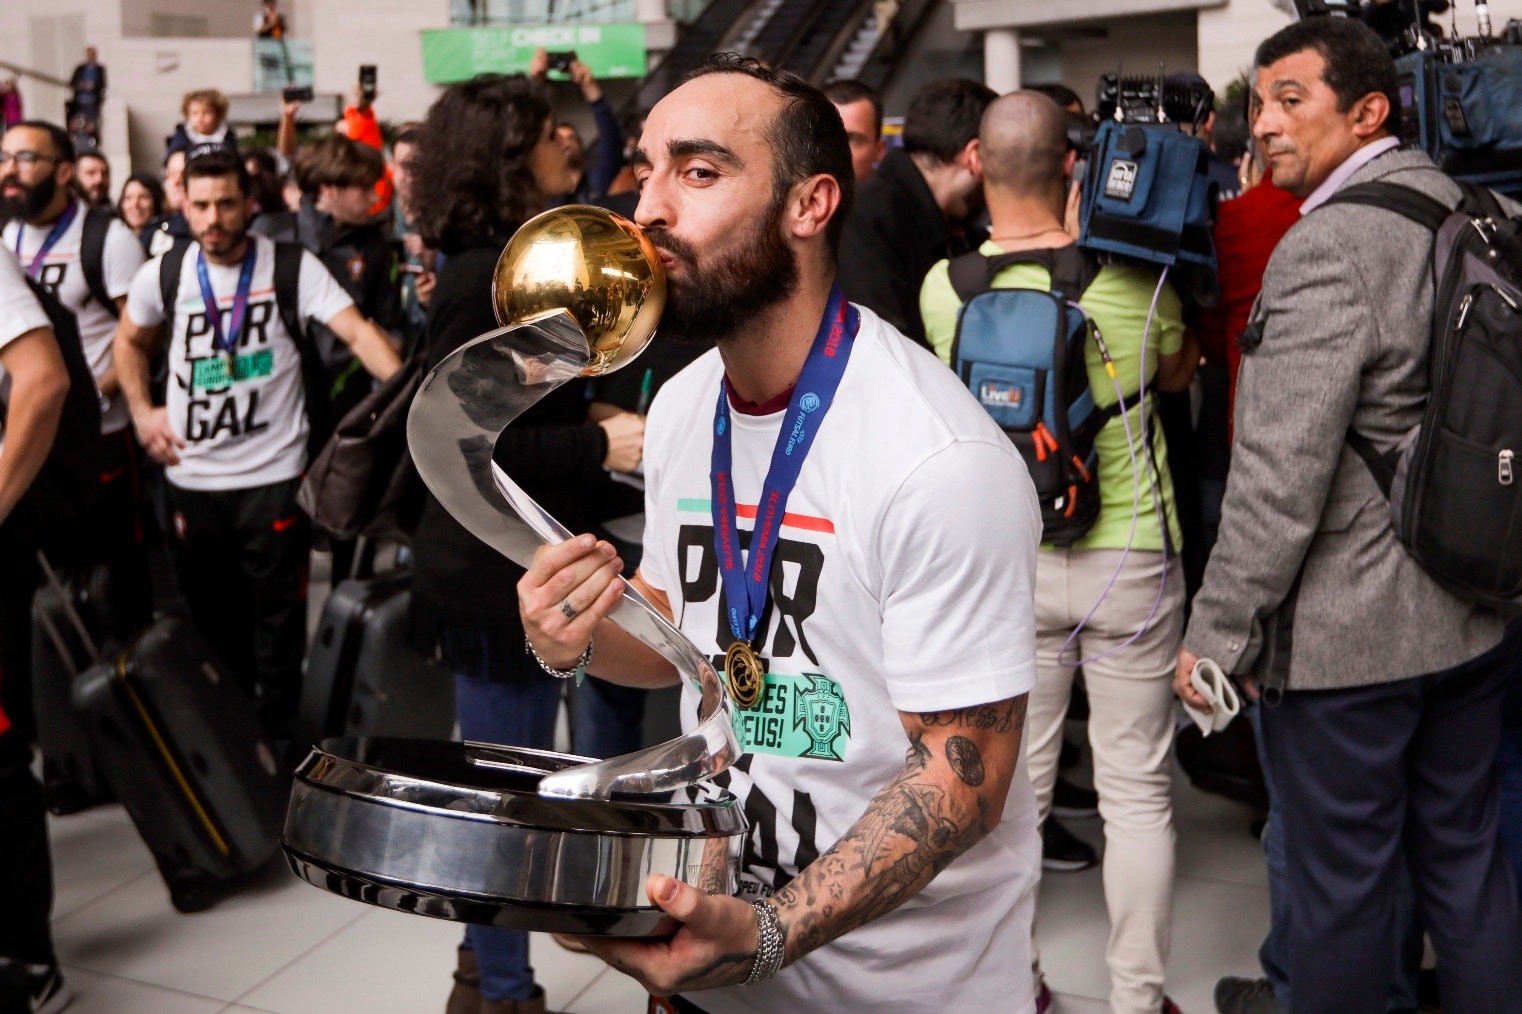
1382	466
1425	211
92	256
288	290
169	282
1071	268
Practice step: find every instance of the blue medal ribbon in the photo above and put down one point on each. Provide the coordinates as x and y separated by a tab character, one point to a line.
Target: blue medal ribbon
746	577
54	235
227	342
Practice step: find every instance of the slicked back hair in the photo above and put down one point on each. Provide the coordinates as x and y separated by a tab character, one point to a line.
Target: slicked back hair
217	162
944	116
807	137
1356	60
57	136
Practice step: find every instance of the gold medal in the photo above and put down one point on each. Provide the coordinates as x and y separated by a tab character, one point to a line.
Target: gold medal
744	674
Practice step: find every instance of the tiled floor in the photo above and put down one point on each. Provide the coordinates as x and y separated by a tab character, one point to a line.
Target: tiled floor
283	947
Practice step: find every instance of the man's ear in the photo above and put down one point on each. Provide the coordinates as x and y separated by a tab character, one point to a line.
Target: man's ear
1371	114
1068	162
63	173
814	202
971	158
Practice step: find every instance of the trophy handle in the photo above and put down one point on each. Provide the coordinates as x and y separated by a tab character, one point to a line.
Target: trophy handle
460	410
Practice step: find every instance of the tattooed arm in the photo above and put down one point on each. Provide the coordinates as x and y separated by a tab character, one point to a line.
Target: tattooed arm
949	794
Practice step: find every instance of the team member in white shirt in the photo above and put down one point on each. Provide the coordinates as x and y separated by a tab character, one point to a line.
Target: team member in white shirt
33	386
892	852
47	234
233	434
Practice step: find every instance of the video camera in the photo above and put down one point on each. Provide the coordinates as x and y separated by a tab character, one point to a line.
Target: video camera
1147	195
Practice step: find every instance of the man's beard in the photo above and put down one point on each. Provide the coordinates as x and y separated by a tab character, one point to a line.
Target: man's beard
718	299
33	201
228	242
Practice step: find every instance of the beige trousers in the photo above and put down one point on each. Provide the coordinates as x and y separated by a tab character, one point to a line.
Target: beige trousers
1131	723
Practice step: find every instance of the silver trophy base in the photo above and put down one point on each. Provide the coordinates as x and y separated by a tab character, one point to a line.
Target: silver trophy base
458	831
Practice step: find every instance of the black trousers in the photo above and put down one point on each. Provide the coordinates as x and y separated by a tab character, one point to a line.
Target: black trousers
115	534
1365	775
26	870
240	557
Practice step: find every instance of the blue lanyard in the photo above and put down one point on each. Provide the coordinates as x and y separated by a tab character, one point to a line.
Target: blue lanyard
227	342
54	235
746	579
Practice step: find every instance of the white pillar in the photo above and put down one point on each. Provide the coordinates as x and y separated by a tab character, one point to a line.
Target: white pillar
1001	59
649	10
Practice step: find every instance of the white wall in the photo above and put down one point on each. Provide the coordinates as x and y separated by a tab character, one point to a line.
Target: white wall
347	33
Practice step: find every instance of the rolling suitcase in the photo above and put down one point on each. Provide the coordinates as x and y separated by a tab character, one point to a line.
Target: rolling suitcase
183	749
362	677
71	621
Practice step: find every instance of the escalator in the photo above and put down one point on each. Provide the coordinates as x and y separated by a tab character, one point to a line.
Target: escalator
696	41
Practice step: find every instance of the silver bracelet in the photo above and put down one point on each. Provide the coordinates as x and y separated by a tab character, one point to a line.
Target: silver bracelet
577	672
769	947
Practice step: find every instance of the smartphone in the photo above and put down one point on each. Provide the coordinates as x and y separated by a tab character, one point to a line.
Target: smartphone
367	81
562	61
297	93
413	269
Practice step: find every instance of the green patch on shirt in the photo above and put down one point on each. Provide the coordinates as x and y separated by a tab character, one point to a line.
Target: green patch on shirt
212	374
797	716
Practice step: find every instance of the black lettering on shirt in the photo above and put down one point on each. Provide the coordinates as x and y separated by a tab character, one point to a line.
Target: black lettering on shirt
51	278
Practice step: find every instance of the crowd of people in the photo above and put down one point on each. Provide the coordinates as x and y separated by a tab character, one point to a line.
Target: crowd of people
233	306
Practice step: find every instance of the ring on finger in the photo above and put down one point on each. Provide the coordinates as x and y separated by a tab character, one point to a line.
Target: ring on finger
569	610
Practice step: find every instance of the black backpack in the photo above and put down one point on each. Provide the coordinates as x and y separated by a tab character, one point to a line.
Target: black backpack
1455	483
288	258
66	487
92	256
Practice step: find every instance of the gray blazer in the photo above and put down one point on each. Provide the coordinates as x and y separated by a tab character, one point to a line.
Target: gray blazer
1307	587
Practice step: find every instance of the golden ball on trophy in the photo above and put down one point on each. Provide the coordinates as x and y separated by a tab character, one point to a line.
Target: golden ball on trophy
597	266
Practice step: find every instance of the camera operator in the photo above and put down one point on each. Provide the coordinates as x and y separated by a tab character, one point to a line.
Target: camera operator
591	184
1383	714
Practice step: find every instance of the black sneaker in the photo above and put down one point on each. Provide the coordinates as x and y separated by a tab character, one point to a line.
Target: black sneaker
1074	801
1062	852
1234	995
32	989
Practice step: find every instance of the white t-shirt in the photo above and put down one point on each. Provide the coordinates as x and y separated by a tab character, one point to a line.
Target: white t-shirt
19	313
903	581
253	430
62	275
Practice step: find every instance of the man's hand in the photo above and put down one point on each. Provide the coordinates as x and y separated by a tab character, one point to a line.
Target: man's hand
569	590
582	75
158	437
715	945
626	441
539	64
424	285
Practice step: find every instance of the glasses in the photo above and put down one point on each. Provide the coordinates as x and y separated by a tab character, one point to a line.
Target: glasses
24	158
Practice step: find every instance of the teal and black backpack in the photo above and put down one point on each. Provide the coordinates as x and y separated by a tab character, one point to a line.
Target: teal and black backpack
1021	354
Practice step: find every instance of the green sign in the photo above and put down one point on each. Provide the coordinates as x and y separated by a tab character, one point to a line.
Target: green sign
458	54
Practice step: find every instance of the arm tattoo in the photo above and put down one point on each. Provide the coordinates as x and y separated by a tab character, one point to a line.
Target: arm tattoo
936	808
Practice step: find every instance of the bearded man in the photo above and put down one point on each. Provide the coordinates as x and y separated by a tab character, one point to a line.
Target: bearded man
892	850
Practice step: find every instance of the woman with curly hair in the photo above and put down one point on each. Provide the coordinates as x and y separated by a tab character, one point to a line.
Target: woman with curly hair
488	154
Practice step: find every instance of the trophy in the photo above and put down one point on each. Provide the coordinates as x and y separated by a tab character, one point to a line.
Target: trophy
494	834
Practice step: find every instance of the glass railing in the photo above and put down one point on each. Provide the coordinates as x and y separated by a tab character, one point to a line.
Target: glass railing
477	13
685	12
281	62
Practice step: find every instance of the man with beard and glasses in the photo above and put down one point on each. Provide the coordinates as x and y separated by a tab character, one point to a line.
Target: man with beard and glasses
234	434
886	626
86	258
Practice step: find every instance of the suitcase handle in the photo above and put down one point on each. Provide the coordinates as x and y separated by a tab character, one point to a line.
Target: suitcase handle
75	620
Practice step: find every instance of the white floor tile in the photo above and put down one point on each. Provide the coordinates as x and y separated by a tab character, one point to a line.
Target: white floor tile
107	994
1217	929
1067	1003
563	974
93	853
133	932
612	992
382	962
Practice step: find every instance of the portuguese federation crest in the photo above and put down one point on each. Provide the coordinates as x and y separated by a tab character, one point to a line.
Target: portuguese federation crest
823	715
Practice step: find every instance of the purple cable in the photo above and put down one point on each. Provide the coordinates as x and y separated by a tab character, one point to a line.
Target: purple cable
1157	502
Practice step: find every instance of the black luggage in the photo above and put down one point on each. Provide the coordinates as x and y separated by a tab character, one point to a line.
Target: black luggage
183	749
71	623
363	678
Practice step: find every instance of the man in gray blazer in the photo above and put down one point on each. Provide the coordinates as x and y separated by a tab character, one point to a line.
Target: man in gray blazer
1383	690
